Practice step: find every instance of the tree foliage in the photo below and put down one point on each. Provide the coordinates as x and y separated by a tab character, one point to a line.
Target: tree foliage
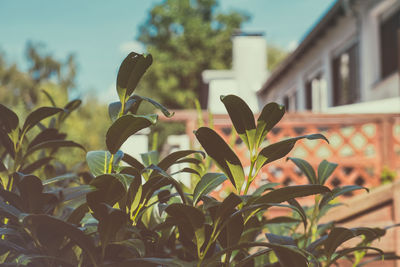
186	37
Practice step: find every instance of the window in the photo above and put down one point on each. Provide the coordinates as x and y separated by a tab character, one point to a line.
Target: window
345	77
290	101
389	44
315	94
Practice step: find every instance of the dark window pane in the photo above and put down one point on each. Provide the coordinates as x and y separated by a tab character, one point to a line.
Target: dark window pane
345	77
286	102
389	53
309	95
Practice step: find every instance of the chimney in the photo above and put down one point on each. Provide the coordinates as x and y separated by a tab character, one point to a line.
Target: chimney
249	65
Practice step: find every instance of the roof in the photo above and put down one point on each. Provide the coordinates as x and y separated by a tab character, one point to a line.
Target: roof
317	31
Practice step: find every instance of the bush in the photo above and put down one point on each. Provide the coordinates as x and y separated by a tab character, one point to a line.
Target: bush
125	212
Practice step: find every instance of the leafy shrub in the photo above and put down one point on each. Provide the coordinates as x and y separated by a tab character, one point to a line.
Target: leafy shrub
128	213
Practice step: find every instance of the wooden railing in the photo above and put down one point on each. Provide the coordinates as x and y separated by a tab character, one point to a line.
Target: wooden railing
363	145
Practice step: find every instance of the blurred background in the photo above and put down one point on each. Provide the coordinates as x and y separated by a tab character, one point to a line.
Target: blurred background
321	59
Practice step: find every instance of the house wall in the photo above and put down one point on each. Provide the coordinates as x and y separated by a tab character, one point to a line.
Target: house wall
359	24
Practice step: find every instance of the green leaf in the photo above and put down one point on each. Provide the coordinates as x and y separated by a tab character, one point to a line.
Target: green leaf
325	169
285	193
279	239
261	189
67	176
49	97
39	114
188	215
110	222
53	144
336	237
36	165
242	118
207	184
338	192
124	127
47	135
344	252
133	162
171	159
98	161
270	115
131	70
169	180
113	110
223	155
46	229
227	207
306	168
8	120
69	107
280	149
138	99
282	220
150	157
294	256
231	231
9	211
300	210
76	192
109	190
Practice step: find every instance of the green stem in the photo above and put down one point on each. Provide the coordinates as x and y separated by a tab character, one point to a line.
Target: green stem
110	164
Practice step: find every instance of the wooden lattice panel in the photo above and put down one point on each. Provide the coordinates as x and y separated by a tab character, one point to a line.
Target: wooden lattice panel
361	144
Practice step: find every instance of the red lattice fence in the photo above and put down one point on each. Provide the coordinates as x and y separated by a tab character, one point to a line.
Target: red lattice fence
362	145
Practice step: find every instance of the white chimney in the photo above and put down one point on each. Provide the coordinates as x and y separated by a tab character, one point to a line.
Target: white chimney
249	65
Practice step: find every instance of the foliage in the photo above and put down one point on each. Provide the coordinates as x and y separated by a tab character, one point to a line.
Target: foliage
51	82
186	37
137	213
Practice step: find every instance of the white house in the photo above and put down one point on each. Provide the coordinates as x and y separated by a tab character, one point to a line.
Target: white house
348	63
248	73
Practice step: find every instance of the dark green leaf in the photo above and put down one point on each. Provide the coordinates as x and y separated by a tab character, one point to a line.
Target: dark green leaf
263	188
133	162
337	236
47	135
36	165
344	252
306	168
111	221
338	192
300	210
242	118
227	207
169	160
53	144
46	229
281	149
223	155
206	184
39	114
124	127
69	107
157	105
109	190
271	114
281	240
325	169
282	220
286	193
49	97
8	119
188	215
67	176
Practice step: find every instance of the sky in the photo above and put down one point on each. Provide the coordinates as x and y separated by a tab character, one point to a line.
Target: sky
101	33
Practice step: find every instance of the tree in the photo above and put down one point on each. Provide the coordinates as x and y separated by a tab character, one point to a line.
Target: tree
46	76
275	56
186	37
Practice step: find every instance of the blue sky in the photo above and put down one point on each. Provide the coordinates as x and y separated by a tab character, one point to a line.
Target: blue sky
100	33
